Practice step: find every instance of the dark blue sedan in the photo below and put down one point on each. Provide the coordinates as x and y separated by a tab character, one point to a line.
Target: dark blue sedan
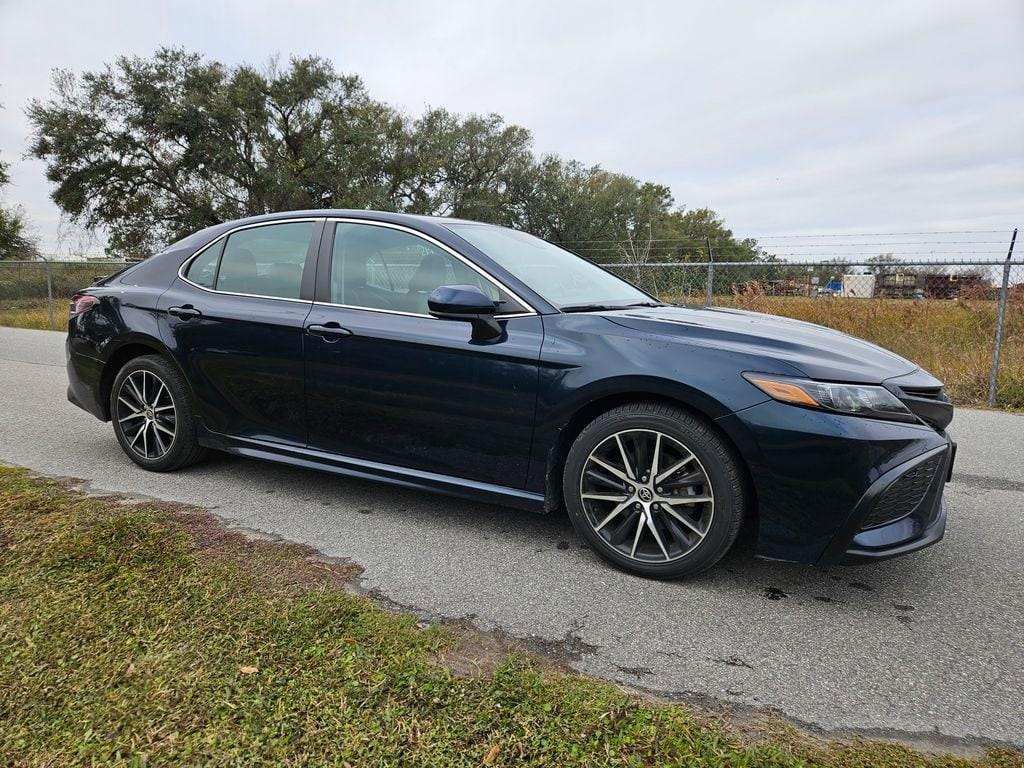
476	360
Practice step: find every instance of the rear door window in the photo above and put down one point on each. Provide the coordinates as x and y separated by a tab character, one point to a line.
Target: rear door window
265	261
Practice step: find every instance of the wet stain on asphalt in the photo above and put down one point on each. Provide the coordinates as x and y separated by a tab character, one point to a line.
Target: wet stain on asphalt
774	593
733	661
637	672
827	599
562	545
985	483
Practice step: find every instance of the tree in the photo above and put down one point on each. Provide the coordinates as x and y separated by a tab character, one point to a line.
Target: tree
586	209
150	150
154	149
684	235
15	242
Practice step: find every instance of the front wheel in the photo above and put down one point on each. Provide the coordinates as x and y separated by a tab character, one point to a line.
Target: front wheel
152	416
655	490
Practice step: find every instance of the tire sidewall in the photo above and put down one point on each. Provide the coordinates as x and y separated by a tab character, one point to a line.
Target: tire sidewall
710	451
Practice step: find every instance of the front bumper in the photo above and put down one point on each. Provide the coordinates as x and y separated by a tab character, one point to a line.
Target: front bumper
835	489
901	512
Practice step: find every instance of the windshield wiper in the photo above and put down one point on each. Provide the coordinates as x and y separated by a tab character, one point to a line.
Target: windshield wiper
600	307
585	307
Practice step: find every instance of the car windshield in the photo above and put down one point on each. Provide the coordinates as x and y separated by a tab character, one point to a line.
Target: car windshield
563	278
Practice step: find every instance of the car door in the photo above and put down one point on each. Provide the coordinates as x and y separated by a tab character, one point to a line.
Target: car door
389	383
234	319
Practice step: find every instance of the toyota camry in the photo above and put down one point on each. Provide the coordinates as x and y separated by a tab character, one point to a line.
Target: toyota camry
475	360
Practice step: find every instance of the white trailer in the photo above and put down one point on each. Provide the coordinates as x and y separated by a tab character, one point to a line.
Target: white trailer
858	286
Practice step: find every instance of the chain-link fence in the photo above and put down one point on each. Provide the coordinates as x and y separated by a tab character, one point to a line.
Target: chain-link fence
963	320
35	294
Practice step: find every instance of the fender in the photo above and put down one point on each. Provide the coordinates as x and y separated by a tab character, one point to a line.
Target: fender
559	425
113	359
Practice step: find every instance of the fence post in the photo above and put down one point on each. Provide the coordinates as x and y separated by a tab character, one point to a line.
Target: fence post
1000	319
711	275
49	294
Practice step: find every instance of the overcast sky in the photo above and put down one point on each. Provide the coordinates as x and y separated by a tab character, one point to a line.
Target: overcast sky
786	117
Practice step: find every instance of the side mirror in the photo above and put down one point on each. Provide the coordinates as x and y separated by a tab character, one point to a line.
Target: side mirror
468	303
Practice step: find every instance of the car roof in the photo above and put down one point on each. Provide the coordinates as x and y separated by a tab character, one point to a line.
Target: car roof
416	221
357	213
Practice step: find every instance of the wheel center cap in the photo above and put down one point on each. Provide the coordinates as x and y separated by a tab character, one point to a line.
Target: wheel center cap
149	412
645	494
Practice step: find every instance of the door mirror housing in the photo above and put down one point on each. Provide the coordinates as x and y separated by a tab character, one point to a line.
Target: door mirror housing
468	303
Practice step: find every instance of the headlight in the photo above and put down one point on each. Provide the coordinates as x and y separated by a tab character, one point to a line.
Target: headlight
854	399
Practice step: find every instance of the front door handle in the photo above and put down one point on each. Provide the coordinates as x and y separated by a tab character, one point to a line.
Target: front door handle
186	312
328	331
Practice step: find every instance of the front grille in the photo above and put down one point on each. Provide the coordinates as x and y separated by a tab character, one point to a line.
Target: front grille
929	404
904	496
929	393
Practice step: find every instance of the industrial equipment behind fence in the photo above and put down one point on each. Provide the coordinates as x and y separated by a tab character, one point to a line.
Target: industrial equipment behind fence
777	287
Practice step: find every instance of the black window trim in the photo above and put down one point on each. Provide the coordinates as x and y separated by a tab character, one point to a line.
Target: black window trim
327	257
308	268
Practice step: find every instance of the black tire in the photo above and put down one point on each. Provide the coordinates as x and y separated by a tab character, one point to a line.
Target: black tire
171	451
717	464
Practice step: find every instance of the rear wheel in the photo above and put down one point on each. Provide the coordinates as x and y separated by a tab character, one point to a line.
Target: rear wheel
654	490
152	415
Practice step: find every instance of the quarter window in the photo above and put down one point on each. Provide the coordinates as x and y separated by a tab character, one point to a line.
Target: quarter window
265	261
203	269
384	268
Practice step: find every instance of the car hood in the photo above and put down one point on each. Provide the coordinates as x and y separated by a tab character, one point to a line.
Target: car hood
815	351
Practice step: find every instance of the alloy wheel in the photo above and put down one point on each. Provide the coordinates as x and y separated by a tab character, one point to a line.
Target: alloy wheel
146	414
647	495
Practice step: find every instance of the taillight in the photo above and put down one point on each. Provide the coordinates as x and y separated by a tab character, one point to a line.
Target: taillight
82	302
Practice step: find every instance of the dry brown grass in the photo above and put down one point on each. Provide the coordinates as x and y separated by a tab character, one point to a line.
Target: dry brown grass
32	313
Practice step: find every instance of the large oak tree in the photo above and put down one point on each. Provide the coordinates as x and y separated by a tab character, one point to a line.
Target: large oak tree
149	150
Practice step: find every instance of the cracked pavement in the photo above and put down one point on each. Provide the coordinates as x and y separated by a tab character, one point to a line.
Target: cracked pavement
929	645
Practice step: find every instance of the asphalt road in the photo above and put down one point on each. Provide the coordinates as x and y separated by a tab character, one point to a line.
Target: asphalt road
929	645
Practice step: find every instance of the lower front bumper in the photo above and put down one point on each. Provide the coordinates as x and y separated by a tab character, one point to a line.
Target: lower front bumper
819	480
932	534
901	512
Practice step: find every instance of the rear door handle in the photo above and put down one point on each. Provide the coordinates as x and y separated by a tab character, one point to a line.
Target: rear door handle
186	312
328	331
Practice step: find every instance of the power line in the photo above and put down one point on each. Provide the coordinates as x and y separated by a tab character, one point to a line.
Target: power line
794	237
702	241
826	254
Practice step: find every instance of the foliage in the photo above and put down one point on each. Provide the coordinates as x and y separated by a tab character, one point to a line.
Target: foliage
134	635
15	242
153	149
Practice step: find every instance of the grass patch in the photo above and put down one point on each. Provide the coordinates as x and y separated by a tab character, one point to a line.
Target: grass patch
139	633
32	313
